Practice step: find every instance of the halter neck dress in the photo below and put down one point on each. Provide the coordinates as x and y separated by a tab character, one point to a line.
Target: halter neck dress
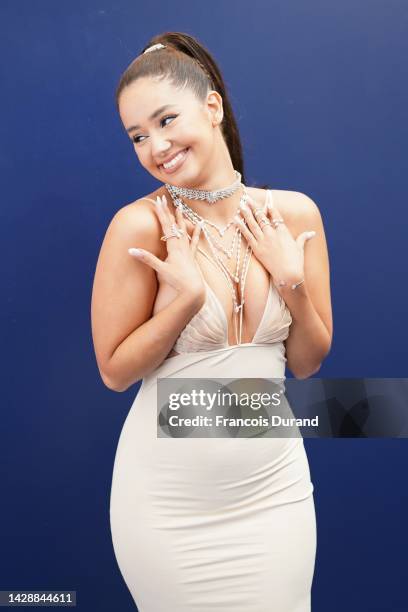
214	524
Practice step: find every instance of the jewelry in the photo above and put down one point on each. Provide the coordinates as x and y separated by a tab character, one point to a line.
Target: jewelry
282	283
204	194
176	232
195	218
258	211
276	222
233	278
264	218
153	47
213	242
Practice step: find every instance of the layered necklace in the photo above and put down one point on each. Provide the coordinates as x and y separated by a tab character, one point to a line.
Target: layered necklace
237	277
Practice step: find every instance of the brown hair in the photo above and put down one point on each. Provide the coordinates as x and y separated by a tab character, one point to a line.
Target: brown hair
185	61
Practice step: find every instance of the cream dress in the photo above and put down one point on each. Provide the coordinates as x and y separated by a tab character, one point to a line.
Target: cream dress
214	524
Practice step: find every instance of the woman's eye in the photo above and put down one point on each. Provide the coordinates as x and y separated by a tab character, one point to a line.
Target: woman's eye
136	138
168	117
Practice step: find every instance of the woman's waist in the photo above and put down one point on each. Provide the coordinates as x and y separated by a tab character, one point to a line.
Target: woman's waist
247	360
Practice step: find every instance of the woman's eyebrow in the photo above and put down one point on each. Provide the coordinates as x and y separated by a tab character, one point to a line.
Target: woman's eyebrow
152	116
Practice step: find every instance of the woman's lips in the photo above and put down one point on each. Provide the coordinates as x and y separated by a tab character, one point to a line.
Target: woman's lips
178	164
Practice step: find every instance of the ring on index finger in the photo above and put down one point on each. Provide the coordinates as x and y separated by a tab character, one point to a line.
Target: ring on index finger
175	232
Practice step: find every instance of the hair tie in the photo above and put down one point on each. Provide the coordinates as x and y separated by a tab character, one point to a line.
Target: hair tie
153	47
161	46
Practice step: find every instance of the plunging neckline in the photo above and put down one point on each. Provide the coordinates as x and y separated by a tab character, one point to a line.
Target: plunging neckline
224	316
217	301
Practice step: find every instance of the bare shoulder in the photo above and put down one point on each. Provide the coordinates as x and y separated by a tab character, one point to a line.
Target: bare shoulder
296	208
137	220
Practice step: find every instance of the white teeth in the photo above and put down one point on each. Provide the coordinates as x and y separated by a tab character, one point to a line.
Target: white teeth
176	159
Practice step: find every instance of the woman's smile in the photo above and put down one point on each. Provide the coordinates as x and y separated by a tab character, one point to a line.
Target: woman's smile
175	163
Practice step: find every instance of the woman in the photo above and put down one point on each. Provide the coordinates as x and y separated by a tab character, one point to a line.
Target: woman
206	524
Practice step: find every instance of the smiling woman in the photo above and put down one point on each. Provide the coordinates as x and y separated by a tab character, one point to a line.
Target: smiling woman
206	278
162	141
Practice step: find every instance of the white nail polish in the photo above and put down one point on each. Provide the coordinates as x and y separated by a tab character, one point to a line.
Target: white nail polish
135	252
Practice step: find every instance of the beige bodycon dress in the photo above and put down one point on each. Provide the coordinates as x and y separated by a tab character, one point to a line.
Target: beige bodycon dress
214	524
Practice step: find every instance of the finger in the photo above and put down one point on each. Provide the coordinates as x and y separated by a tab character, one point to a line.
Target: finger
252	223
147	258
180	221
303	237
254	205
267	228
273	213
177	219
162	215
245	231
167	210
167	221
195	238
189	225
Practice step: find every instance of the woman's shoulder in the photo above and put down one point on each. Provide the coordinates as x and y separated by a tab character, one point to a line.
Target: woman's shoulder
141	209
295	206
137	220
140	215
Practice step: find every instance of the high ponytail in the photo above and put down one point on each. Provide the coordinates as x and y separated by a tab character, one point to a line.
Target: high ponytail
185	61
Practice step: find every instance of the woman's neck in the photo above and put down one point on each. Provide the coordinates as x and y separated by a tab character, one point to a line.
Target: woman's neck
219	174
220	212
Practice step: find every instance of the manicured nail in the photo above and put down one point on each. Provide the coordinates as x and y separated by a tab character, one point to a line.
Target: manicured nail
243	206
311	234
164	200
158	201
135	252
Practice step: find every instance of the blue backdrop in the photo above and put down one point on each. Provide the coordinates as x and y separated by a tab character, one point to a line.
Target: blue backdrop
320	93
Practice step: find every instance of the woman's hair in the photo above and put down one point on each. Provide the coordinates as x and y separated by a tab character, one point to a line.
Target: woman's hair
185	61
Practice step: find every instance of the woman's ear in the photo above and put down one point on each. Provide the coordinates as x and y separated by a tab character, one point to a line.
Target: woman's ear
215	107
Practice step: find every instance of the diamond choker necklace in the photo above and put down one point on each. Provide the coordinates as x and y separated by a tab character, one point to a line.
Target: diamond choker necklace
202	194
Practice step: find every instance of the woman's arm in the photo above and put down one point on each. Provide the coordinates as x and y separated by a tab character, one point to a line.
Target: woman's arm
311	331
130	343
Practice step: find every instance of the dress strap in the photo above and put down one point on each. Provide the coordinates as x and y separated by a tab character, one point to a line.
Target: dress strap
149	200
269	197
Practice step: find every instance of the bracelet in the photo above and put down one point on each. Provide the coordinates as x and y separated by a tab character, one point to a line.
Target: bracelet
295	286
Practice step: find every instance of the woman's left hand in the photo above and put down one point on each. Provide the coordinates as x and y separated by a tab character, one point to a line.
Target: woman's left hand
276	249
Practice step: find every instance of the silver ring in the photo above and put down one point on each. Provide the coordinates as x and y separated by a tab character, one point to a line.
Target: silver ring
176	232
258	211
264	222
276	222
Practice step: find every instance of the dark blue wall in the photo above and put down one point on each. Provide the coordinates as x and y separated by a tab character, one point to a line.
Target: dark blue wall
320	93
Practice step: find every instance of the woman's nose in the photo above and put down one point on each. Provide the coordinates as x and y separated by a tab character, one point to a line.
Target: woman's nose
159	147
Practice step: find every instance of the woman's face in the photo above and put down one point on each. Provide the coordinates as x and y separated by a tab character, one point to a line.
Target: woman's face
159	134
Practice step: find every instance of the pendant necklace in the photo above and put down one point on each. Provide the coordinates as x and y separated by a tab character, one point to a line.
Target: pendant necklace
238	277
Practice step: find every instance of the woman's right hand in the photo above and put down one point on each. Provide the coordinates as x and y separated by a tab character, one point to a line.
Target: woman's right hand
180	269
